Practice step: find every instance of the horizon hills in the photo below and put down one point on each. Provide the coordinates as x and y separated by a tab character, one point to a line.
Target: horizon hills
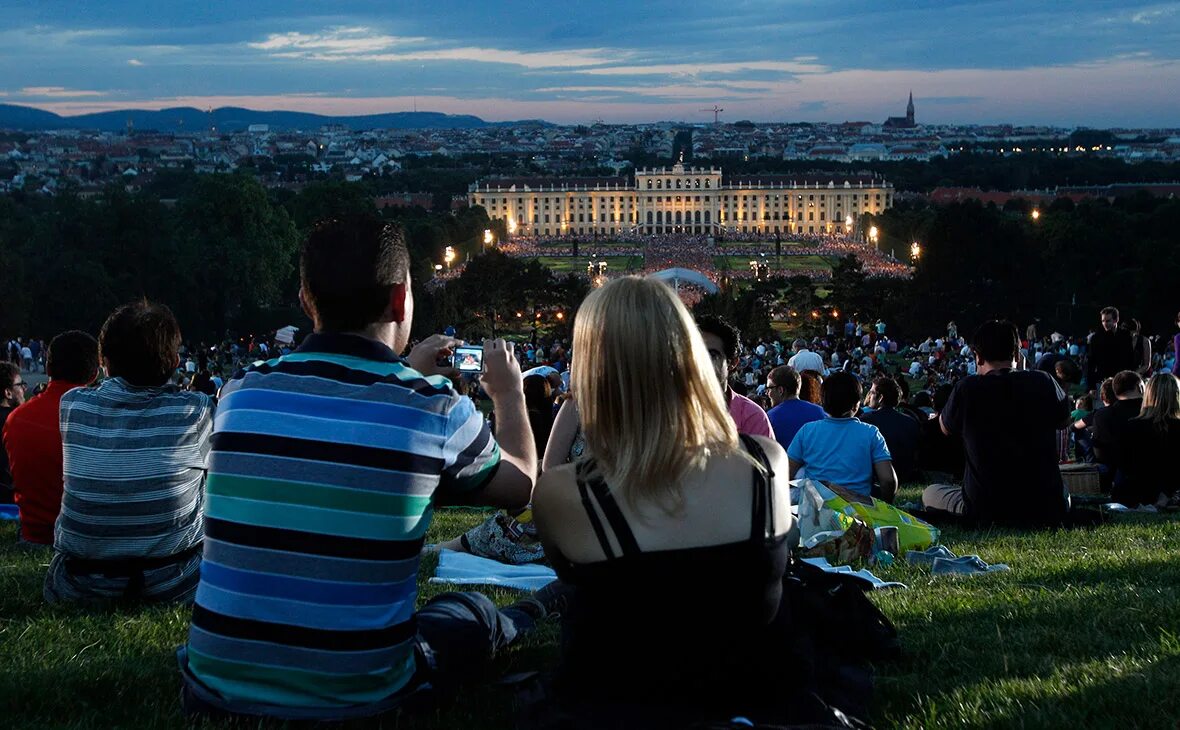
235	119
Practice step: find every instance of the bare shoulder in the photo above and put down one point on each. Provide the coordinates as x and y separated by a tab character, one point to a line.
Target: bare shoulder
555	489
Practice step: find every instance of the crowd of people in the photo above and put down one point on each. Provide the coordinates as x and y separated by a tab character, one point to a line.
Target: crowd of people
697	251
648	460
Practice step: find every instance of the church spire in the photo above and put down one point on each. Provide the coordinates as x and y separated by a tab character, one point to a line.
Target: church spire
909	110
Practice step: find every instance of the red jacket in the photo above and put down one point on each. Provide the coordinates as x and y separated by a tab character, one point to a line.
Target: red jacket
32	437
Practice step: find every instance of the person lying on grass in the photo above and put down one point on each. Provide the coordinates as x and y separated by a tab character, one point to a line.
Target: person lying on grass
671	531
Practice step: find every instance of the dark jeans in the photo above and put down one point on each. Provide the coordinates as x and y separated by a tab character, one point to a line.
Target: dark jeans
458	633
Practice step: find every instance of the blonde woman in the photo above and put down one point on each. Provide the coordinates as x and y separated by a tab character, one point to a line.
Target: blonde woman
671	533
1153	440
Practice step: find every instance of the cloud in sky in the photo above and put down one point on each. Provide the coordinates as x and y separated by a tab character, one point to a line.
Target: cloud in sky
57	92
1102	62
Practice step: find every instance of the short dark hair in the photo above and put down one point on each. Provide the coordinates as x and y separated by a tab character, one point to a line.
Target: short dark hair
140	341
1106	391
841	393
888	390
8	373
1068	371
726	332
1125	382
785	376
72	357
349	268
996	340
1111	311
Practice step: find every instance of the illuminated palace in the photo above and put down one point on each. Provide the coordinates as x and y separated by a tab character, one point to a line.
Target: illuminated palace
680	199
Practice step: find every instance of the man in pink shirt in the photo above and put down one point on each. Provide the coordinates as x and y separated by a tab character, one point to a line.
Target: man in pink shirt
721	340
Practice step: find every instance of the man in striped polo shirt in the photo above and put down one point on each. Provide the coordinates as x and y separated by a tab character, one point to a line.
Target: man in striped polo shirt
325	468
133	462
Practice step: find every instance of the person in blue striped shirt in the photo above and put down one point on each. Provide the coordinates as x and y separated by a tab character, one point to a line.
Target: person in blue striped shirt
325	469
133	460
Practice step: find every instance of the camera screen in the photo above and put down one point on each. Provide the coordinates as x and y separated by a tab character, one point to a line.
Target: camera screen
469	359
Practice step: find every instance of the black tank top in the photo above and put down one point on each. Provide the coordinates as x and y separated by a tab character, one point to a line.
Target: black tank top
670	624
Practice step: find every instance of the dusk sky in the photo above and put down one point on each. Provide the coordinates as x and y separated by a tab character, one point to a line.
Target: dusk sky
1098	63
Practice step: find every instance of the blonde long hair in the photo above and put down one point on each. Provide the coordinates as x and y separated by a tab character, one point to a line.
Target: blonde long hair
652	409
1161	400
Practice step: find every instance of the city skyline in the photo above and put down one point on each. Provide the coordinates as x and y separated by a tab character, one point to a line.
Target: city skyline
1066	64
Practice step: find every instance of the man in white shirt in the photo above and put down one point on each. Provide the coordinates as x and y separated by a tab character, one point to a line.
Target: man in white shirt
805	359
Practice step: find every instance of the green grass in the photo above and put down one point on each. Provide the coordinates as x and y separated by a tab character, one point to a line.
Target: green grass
1082	633
742	263
566	264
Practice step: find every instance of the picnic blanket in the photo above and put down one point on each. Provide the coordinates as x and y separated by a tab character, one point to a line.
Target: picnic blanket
466	569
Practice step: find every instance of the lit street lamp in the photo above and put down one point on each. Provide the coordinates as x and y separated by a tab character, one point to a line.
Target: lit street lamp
1036	214
873	234
915	251
449	256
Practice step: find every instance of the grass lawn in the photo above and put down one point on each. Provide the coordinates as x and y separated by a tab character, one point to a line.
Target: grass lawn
566	264
742	263
1084	632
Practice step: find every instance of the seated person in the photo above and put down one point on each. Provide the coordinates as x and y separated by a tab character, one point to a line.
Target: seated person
1110	424
788	413
842	450
724	344
1153	440
12	394
1008	420
325	468
1083	430
676	577
133	461
32	436
900	429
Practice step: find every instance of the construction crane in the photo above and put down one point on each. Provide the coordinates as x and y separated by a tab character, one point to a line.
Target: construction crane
716	113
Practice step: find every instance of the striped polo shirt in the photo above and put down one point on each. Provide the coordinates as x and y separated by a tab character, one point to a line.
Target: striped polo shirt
324	468
133	462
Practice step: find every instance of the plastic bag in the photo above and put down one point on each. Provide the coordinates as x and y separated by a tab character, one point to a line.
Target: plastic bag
832	509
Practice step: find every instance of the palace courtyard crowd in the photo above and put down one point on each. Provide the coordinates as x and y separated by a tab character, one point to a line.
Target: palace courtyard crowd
285	492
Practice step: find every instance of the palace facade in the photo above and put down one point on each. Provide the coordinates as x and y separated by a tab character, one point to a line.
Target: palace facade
687	200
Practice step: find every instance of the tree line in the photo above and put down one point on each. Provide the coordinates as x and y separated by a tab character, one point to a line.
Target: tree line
221	250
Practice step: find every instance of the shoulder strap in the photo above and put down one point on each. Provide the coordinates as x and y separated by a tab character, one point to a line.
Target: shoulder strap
762	511
614	515
610	509
592	513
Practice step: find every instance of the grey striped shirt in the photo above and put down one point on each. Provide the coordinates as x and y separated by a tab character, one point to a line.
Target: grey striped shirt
134	467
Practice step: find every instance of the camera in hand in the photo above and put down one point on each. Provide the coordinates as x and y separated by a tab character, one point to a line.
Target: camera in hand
468	359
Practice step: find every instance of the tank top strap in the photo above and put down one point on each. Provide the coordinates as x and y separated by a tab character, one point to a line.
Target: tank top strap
610	509
591	513
762	509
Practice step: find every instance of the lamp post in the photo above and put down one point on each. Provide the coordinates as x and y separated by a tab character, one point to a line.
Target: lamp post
488	239
873	235
915	251
449	256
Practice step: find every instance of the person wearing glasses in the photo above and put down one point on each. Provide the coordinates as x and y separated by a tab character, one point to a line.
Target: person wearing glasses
788	412
12	394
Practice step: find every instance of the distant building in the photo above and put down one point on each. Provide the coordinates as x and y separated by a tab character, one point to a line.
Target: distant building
682	199
906	122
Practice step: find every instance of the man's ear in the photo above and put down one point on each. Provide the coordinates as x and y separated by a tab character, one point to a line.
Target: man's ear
305	305
397	303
